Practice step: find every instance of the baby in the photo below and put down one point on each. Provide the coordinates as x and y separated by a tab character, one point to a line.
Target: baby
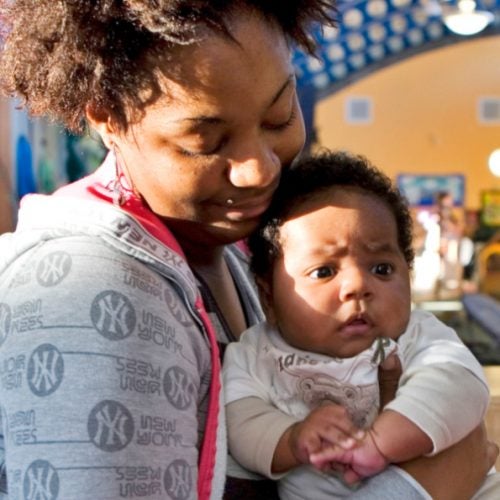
332	259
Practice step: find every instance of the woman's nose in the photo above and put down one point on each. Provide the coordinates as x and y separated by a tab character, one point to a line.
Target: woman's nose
258	168
355	285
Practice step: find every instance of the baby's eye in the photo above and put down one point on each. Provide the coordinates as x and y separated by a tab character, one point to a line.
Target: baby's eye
322	272
383	269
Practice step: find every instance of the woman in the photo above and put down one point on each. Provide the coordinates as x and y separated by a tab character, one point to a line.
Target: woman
110	364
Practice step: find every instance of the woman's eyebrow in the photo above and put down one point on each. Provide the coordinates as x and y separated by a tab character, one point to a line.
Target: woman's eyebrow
201	120
214	120
289	80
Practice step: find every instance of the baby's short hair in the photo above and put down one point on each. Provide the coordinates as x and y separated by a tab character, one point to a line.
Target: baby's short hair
312	175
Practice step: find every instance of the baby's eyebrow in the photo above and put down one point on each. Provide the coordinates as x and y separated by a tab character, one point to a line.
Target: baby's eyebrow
337	250
376	247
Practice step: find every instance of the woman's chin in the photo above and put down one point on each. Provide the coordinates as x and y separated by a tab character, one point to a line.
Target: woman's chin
231	231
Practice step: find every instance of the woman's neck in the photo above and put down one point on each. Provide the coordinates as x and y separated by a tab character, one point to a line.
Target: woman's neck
203	258
199	253
210	266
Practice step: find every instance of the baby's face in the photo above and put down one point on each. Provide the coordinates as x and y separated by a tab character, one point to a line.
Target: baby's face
343	280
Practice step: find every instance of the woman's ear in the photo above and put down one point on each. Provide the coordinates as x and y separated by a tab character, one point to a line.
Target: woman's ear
266	298
100	120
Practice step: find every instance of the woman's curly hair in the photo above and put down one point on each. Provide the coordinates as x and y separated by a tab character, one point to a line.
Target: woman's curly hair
315	174
59	56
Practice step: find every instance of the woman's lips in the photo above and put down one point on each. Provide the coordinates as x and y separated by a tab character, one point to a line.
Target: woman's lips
245	211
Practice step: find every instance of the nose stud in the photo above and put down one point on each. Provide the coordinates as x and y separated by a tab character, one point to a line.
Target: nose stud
229	202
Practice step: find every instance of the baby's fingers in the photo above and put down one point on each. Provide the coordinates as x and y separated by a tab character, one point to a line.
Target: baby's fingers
351	476
328	455
339	426
329	467
336	437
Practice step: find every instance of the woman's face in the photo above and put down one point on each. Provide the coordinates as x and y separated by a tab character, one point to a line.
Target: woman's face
227	124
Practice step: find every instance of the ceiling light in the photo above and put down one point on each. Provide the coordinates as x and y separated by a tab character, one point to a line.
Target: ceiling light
466	20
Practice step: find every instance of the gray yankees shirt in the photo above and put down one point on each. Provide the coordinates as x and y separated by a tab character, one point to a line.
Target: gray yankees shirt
104	365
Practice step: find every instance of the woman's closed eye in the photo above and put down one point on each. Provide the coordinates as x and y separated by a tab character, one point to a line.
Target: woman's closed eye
282	125
383	269
202	151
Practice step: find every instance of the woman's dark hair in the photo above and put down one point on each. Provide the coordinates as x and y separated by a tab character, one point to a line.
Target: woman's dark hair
59	56
312	175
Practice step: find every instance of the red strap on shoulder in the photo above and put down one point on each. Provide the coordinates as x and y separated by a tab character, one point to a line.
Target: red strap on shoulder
206	468
242	245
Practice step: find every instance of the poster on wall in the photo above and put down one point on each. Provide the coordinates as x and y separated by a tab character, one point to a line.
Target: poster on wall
421	190
490	201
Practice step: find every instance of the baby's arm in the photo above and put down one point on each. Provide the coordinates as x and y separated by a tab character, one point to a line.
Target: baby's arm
398	439
443	389
263	439
392	439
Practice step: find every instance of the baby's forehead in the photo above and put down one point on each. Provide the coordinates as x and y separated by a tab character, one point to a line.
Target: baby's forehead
339	206
336	195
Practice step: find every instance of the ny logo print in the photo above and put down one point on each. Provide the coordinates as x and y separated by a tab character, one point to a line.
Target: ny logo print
110	426
178	480
5	321
113	315
178	388
53	268
45	370
41	481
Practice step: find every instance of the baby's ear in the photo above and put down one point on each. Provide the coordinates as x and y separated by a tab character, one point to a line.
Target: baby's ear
266	298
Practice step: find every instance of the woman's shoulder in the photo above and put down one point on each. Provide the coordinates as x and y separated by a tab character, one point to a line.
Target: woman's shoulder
76	274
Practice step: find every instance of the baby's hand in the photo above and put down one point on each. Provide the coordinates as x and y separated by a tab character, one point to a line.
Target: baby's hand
328	425
355	463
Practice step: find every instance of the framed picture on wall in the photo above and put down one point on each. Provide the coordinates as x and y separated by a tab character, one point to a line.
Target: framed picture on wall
421	190
490	207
